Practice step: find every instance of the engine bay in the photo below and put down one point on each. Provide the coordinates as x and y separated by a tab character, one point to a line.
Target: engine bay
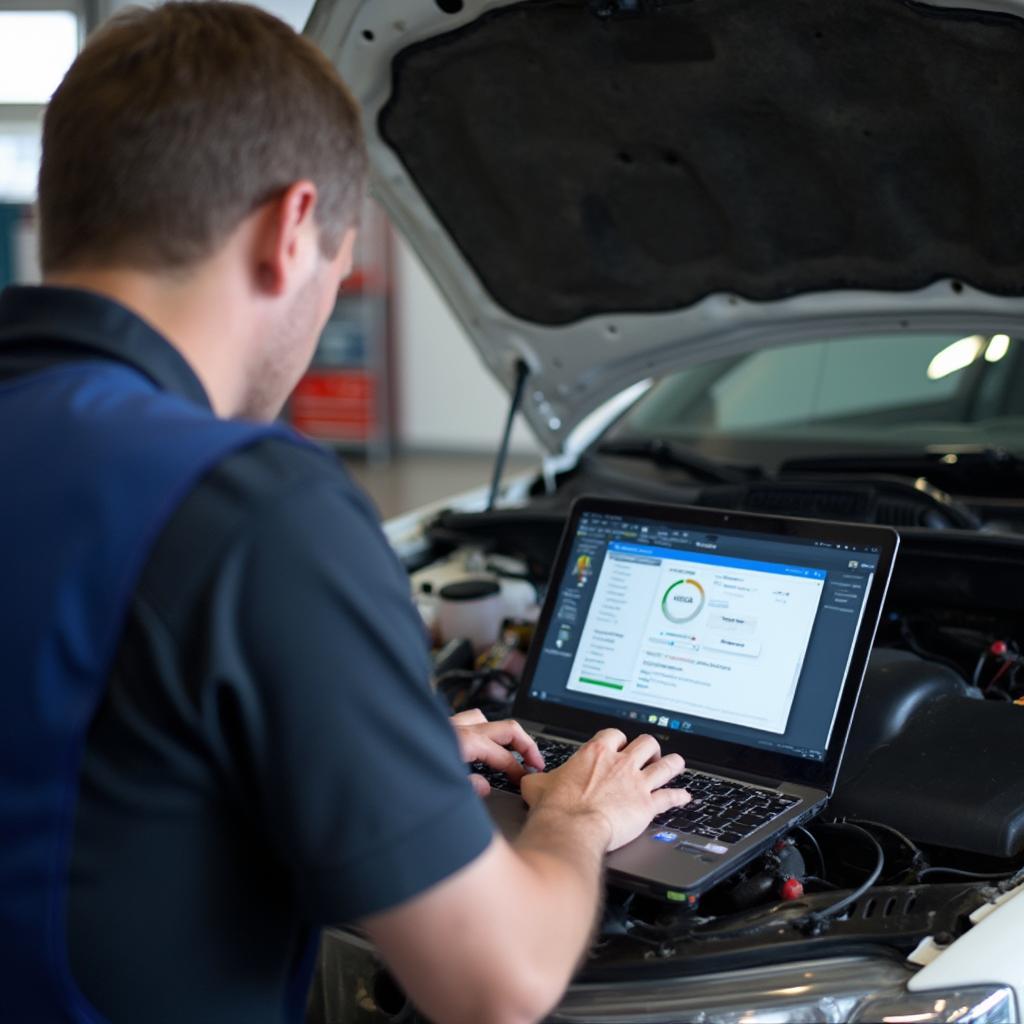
927	822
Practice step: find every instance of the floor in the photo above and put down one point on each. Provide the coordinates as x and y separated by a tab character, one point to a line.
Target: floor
408	481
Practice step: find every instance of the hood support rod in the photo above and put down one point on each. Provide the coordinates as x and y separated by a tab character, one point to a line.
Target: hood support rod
522	372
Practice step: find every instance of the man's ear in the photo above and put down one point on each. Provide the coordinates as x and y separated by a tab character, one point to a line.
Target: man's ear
286	237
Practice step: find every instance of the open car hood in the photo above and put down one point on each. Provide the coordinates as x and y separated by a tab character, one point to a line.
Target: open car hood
606	190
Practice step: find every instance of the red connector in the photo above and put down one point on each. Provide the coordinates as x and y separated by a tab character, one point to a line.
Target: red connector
792	889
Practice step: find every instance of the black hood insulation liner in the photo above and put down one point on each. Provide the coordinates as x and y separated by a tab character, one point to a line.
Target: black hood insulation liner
606	158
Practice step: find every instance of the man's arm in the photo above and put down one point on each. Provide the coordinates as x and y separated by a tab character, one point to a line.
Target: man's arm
499	940
312	690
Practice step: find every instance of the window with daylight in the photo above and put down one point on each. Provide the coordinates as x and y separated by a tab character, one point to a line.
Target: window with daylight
38	41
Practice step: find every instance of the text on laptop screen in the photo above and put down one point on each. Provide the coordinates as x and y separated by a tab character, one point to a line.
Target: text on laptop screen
736	636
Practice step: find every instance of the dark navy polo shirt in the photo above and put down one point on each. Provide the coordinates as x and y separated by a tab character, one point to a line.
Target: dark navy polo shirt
268	757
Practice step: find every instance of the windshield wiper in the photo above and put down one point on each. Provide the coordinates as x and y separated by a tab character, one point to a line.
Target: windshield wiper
961	468
675	456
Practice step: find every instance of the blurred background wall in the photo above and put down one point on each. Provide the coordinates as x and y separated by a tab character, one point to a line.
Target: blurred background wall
440	398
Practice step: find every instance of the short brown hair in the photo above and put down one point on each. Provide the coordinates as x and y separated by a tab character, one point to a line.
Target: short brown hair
174	124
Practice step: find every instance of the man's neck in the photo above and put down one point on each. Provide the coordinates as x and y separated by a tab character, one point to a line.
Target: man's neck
191	311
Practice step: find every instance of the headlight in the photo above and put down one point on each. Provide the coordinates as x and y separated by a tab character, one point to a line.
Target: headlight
839	990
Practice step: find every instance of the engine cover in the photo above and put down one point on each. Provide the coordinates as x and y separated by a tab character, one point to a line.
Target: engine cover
927	756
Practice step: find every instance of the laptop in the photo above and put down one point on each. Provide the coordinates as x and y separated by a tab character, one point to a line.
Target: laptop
738	640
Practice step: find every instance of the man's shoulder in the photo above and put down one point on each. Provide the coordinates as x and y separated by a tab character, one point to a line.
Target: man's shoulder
269	467
253	480
269	487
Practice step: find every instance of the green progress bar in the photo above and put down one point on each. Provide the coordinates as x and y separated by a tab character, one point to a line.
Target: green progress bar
601	682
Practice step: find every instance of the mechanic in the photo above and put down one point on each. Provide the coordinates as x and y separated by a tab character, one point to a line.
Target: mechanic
218	730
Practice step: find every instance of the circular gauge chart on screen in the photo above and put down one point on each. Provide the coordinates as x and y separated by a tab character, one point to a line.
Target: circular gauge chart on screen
683	601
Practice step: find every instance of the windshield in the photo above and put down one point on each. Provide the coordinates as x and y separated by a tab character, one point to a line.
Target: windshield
907	391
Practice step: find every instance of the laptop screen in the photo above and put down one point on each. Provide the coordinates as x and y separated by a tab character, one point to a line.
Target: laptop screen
728	634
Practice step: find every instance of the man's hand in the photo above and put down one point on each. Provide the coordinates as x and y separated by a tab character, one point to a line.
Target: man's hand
616	781
480	740
449	946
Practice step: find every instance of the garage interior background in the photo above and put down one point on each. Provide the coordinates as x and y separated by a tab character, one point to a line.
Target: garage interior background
393	362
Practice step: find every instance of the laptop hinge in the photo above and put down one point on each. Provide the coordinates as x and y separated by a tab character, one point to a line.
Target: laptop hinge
557	732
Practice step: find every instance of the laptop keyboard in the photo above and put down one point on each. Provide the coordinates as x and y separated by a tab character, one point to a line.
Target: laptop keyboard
720	809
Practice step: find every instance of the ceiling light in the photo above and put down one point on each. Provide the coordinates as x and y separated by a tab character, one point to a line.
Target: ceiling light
955	357
997	348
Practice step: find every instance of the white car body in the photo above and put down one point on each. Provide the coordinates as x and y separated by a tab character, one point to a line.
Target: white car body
582	374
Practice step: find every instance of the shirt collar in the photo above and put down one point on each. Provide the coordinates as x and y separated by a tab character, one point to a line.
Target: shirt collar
40	315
